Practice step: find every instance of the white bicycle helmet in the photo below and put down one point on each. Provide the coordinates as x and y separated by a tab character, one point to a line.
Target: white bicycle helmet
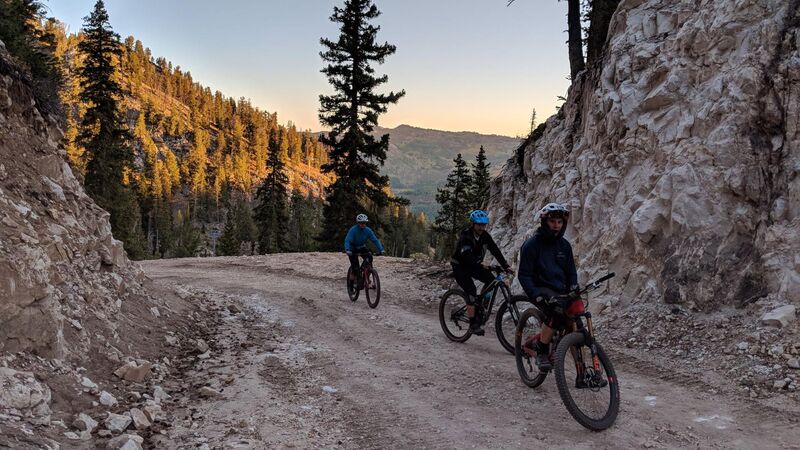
554	210
362	218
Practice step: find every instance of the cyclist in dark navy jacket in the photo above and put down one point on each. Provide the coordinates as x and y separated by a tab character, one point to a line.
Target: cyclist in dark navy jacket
547	269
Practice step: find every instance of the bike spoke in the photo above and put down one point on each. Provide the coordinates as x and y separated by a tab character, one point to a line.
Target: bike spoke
593	400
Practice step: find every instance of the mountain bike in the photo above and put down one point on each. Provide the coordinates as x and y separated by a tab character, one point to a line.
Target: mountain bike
588	385
366	279
453	311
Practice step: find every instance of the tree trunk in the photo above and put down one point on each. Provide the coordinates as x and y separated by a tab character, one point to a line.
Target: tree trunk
575	41
599	19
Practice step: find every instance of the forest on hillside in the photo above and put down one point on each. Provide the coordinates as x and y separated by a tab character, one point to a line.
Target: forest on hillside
194	159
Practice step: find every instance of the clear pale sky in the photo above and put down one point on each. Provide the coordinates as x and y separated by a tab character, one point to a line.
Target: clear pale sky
466	65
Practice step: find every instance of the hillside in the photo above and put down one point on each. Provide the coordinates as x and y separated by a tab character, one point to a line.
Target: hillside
197	152
419	159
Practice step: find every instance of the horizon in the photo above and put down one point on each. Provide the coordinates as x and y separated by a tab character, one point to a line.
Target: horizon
501	101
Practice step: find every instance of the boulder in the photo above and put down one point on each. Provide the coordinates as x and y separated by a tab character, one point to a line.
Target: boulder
84	422
128	441
107	399
140	420
779	317
21	394
209	392
117	423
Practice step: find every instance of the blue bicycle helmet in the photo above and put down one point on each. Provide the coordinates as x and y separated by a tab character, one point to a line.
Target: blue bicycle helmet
478	216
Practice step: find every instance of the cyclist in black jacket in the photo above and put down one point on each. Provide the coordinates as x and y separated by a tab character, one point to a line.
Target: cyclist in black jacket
547	269
467	259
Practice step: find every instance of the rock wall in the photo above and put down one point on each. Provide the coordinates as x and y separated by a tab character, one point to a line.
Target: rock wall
678	155
63	277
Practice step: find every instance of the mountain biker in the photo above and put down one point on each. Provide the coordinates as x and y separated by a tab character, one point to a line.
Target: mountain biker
355	244
466	263
547	269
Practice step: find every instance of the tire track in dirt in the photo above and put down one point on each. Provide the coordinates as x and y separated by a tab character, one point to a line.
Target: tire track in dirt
400	383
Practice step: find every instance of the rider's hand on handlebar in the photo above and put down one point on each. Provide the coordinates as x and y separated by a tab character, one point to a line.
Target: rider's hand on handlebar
510	270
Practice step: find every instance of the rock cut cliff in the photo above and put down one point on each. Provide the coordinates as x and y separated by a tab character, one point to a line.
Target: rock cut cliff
63	277
678	154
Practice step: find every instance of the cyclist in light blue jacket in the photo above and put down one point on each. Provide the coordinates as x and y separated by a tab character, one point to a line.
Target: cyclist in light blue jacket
355	244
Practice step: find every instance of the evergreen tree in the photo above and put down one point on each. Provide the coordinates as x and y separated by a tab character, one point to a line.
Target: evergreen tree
228	243
352	113
303	222
103	133
33	44
599	13
479	195
454	205
187	238
271	214
239	229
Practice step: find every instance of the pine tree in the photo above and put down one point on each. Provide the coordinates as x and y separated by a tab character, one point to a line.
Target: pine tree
102	132
479	189
454	206
302	229
271	214
352	113
187	238
33	44
229	244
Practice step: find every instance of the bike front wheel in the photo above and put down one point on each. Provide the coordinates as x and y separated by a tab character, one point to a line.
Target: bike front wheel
453	315
352	285
507	317
589	391
525	340
372	288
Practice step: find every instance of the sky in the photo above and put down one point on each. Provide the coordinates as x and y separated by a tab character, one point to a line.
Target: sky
466	65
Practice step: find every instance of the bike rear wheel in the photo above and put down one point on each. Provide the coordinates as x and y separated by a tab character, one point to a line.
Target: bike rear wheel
372	288
507	317
453	315
352	285
530	322
595	403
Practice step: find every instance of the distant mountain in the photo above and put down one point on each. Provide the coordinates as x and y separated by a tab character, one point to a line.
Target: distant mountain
419	159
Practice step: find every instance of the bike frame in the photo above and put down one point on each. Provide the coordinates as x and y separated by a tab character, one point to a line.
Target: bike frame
575	323
366	264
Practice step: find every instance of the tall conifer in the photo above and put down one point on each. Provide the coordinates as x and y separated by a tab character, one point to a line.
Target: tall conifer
271	213
352	114
454	204
103	133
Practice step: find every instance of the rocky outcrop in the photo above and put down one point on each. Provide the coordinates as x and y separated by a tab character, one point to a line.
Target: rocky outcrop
678	155
21	395
63	277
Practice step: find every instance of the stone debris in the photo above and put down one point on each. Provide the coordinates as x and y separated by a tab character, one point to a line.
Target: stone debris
117	422
202	346
140	420
87	383
138	374
209	392
84	422
153	412
780	317
22	395
127	441
107	399
159	394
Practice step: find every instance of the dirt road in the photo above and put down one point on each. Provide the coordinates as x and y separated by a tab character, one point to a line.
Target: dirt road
300	366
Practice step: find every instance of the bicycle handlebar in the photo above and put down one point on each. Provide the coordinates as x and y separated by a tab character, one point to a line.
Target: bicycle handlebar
589	287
